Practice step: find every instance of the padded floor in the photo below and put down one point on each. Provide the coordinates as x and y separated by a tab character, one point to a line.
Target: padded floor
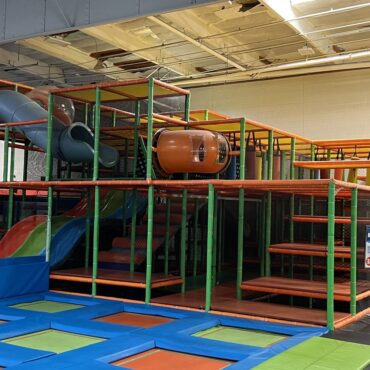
53	341
47	306
241	336
158	359
134	319
358	332
321	354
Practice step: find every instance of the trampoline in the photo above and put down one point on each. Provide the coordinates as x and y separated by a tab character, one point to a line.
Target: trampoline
53	341
321	353
159	359
248	337
135	319
47	306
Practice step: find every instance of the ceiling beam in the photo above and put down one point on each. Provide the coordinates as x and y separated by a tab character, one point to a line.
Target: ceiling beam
76	57
198	26
203	46
40	17
301	25
120	37
31	66
270	74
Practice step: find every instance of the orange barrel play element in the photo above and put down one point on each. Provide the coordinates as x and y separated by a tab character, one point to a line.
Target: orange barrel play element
190	151
250	159
276	166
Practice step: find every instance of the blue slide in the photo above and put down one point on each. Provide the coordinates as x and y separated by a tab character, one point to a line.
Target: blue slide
73	143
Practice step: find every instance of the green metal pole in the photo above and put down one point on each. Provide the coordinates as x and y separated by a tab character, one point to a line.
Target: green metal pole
354	203
97	192
149	252
330	257
196	237
149	248
88	229
211	199
49	171
240	253
167	236
270	156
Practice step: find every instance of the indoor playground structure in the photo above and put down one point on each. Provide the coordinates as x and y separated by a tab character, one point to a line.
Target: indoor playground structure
143	237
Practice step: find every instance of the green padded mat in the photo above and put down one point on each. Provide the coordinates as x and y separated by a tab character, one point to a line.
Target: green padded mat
53	341
321	354
47	306
241	336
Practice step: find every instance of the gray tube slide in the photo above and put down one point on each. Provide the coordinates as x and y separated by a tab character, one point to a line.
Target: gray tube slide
74	143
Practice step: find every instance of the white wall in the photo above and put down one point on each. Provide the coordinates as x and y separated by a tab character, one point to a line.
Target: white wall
18	163
325	106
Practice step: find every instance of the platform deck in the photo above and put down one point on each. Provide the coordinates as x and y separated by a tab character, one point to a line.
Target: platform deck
305	288
115	277
224	300
307	249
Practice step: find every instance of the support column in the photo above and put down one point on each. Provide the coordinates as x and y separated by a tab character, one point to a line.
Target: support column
270	158
211	199
149	244
330	257
354	202
97	192
48	173
240	253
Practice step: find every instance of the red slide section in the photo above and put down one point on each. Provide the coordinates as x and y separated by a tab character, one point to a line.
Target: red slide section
16	236
79	210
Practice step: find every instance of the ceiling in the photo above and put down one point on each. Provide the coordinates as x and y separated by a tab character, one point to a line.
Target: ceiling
228	41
